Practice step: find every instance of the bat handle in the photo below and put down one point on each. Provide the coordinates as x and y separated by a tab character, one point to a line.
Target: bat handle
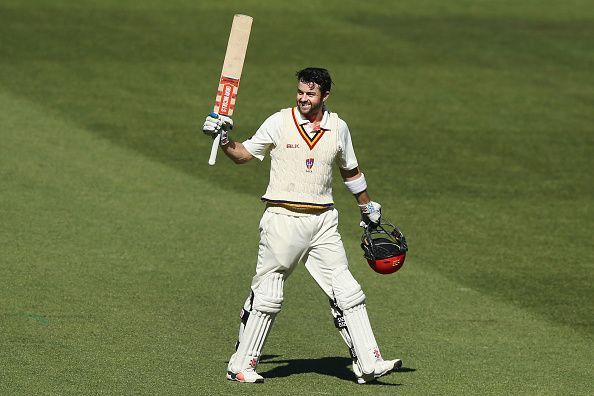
214	149
215	144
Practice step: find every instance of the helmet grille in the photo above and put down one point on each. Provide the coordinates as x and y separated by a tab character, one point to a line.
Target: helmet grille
384	248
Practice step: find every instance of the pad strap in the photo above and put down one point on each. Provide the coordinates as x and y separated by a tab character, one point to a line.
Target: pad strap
342	327
244	316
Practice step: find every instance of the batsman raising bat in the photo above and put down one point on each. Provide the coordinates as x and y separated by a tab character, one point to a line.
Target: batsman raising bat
300	224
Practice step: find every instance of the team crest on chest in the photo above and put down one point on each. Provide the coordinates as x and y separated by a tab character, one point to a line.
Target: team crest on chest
309	164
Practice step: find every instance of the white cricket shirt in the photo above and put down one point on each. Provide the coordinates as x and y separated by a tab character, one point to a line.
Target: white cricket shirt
298	177
268	135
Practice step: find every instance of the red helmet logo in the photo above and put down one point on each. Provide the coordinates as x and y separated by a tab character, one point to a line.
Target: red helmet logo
387	265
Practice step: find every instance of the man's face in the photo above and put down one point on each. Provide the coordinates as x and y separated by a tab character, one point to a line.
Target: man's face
309	98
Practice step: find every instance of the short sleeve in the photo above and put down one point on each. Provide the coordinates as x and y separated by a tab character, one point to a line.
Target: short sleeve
347	159
265	137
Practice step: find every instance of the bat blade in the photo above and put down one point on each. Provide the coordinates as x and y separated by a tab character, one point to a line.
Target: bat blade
231	73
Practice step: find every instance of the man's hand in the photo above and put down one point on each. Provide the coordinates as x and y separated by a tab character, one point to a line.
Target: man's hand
371	214
218	124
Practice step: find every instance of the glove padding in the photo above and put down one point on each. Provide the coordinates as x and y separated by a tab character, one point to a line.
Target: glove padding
216	124
371	214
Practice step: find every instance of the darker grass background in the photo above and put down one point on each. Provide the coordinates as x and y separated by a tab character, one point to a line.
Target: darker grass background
125	257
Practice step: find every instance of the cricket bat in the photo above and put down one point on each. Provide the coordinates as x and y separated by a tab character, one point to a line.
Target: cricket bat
231	73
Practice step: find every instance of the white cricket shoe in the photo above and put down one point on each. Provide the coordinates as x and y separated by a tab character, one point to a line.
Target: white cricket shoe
382	367
248	375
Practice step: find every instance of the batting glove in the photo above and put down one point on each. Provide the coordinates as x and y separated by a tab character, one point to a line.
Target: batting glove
371	214
218	124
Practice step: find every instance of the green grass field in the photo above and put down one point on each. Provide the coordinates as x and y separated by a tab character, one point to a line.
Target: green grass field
125	258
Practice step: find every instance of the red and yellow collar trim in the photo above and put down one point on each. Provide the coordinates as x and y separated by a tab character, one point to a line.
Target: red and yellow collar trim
311	141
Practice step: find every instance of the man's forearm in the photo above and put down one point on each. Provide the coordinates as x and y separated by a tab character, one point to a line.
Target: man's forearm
237	152
362	198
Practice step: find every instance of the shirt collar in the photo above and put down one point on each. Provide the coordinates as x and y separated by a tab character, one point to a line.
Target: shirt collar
324	124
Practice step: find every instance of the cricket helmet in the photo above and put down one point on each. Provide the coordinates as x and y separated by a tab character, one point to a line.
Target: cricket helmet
384	246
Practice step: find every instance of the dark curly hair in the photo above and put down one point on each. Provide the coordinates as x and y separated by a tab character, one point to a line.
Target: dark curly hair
315	75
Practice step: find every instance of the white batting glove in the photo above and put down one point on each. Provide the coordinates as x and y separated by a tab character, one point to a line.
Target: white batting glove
218	124
371	214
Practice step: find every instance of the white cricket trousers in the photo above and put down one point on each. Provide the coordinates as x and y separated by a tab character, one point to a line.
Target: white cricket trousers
313	239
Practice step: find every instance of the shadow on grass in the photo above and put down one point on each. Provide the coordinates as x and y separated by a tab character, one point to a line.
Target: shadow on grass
337	367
